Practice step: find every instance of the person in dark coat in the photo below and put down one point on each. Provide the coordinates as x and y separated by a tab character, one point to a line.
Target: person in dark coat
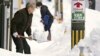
92	4
47	17
19	24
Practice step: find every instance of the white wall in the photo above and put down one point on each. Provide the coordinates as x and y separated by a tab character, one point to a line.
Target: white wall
98	5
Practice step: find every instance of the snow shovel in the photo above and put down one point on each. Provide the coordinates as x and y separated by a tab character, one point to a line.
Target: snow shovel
27	38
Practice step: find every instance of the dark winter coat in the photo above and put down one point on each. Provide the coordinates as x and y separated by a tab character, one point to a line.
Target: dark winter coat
46	16
21	22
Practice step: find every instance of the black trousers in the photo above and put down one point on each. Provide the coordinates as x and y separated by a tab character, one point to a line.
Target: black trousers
21	45
47	28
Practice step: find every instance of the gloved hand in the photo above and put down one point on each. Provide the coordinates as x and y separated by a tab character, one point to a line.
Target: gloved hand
16	35
42	21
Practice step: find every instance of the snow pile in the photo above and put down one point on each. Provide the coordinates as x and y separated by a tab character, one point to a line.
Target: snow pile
95	41
38	28
91	44
92	21
8	53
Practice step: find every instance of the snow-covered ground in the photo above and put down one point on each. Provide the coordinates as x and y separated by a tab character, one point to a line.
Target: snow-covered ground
61	46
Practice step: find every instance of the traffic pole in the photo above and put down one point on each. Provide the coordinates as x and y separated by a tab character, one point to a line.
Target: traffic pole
77	21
